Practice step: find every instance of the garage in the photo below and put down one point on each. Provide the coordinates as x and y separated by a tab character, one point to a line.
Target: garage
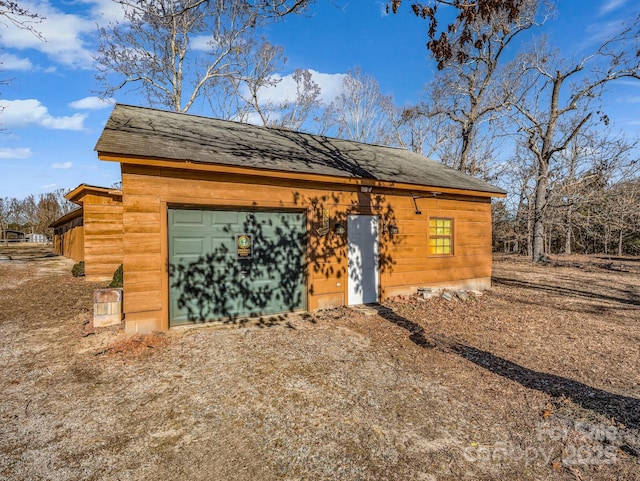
231	264
224	221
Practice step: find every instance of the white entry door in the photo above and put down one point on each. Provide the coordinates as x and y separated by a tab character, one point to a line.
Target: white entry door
362	237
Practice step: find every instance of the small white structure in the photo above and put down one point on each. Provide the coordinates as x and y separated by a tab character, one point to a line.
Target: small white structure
36	238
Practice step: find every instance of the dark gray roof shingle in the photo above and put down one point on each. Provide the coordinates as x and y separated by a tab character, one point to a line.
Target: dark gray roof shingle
145	132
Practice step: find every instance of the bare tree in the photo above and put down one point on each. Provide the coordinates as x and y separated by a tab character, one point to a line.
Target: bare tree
29	214
21	17
563	92
581	179
293	113
624	198
476	85
360	111
5	215
253	90
176	52
593	200
51	206
33	215
412	130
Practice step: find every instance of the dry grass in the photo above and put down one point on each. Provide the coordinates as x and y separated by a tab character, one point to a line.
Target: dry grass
536	379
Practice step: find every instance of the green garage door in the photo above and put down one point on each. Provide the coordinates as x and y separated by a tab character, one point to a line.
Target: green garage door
225	265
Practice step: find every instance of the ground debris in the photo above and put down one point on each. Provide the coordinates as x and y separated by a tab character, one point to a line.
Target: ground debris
134	345
535	379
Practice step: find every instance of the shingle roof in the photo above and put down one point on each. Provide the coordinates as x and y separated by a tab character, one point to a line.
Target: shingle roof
145	132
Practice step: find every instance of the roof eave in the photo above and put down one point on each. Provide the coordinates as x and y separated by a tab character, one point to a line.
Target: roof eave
76	195
67	217
281	174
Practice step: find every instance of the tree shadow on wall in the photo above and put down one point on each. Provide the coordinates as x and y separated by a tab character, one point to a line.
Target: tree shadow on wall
222	285
286	257
328	253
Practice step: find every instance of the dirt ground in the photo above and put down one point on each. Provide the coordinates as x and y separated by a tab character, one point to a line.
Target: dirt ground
539	378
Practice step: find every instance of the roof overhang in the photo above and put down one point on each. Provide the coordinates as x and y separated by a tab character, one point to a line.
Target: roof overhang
78	194
67	217
279	174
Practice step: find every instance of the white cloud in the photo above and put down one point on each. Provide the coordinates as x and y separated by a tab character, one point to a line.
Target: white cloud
104	11
49	186
201	42
285	89
629	99
611	5
62	165
91	103
62	32
17	153
330	84
21	113
599	32
11	62
628	83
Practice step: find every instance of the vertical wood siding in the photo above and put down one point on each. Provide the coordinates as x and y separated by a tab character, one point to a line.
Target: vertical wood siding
70	243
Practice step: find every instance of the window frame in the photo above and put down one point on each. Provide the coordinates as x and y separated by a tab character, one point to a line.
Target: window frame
450	236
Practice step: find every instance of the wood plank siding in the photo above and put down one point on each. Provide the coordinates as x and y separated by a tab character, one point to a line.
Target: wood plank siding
172	162
92	233
103	242
405	263
68	236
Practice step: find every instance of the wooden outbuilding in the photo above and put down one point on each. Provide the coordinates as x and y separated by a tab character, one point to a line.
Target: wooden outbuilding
93	232
225	221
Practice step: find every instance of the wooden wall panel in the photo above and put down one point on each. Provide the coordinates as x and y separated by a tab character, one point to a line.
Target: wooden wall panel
70	244
405	263
103	236
74	244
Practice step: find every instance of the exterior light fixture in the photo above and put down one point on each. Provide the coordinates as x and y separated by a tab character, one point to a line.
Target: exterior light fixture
339	229
393	230
366	189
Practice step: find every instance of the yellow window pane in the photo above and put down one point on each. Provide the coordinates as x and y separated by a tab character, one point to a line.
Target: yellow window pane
440	236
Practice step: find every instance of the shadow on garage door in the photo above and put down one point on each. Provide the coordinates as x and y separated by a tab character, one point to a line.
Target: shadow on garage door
226	265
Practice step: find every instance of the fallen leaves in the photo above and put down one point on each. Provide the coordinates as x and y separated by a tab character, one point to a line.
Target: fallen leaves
134	345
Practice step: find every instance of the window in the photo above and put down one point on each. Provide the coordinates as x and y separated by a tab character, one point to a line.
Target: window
440	236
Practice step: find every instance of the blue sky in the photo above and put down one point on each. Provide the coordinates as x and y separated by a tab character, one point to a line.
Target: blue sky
52	119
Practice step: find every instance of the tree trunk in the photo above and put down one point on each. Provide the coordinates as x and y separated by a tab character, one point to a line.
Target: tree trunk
463	165
530	232
538	254
620	238
567	238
